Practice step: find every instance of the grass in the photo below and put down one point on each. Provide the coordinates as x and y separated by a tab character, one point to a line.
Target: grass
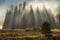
26	35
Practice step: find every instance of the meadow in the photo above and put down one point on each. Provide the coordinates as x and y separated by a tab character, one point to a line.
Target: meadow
27	35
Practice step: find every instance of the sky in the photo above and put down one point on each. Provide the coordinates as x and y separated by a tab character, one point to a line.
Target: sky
5	4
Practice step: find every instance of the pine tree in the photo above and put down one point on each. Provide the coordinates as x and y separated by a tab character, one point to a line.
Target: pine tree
24	5
15	18
31	17
5	25
11	7
24	22
38	17
19	16
48	16
58	15
8	19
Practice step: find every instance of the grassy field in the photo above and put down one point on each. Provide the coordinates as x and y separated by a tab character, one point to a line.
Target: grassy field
27	35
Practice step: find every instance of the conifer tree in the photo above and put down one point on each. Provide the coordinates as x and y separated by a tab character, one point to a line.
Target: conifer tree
24	5
38	17
32	16
15	18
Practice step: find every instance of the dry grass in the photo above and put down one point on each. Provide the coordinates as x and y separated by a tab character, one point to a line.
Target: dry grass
26	35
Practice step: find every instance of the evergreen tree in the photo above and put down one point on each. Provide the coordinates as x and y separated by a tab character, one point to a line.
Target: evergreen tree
8	19
30	18
15	18
19	16
48	16
58	15
38	17
51	19
11	7
24	4
5	25
24	22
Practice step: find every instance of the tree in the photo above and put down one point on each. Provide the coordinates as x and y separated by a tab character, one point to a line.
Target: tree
24	4
58	15
15	18
8	18
46	28
30	18
38	17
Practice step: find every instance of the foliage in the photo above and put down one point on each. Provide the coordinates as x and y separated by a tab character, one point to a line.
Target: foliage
46	28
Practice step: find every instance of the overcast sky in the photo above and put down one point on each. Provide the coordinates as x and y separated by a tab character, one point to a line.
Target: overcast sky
5	4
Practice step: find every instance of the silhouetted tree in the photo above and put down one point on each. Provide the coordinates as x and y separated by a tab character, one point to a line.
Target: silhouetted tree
30	18
15	18
11	7
24	4
8	19
20	5
46	28
24	22
38	17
